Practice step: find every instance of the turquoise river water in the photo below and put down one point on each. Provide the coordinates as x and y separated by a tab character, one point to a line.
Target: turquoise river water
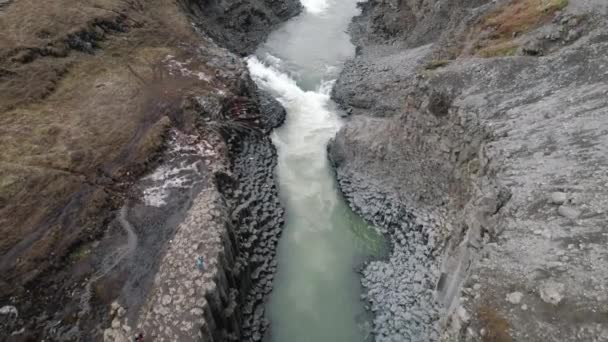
316	294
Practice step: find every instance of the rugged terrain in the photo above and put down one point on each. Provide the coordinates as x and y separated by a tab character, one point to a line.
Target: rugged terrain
477	142
110	110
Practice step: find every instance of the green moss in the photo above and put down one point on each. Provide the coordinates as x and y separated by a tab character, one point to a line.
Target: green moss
559	4
80	253
437	63
499	51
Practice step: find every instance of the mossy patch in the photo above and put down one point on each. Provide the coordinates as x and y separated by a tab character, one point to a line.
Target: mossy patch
436	64
496	32
521	16
497	328
80	253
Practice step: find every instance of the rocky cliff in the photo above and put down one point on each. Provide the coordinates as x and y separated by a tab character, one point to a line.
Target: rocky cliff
136	184
477	143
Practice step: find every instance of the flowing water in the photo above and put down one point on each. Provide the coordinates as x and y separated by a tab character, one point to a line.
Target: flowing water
316	294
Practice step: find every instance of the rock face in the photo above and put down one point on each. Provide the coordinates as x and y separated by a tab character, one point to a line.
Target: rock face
240	25
144	200
256	217
233	225
456	137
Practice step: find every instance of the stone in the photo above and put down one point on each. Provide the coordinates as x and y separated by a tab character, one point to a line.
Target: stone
551	292
197	312
463	314
558	198
9	310
533	48
114	307
568	212
514	297
574	35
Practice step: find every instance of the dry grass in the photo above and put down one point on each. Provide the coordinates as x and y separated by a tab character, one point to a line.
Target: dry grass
76	127
499	50
496	31
27	24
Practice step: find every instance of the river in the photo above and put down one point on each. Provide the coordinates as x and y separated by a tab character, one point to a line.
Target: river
316	294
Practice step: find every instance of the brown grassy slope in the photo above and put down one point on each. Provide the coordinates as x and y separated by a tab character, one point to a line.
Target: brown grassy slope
509	21
82	102
497	33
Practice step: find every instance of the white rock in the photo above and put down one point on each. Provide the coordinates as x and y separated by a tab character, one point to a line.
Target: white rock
558	198
9	310
568	212
18	332
552	292
514	297
197	312
114	306
463	314
108	335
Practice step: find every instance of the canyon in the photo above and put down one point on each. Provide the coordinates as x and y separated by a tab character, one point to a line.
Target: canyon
166	165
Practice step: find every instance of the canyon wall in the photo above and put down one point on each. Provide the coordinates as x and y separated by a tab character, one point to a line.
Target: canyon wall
137	174
476	141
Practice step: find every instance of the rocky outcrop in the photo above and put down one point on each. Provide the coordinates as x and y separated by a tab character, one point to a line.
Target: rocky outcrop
456	144
240	25
232	224
257	218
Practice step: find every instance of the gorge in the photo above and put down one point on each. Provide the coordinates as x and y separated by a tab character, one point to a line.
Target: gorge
264	170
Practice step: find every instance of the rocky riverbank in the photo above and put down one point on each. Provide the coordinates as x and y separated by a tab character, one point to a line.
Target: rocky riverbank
140	148
232	222
476	142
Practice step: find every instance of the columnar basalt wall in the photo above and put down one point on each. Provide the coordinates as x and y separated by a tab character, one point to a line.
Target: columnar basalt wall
233	225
